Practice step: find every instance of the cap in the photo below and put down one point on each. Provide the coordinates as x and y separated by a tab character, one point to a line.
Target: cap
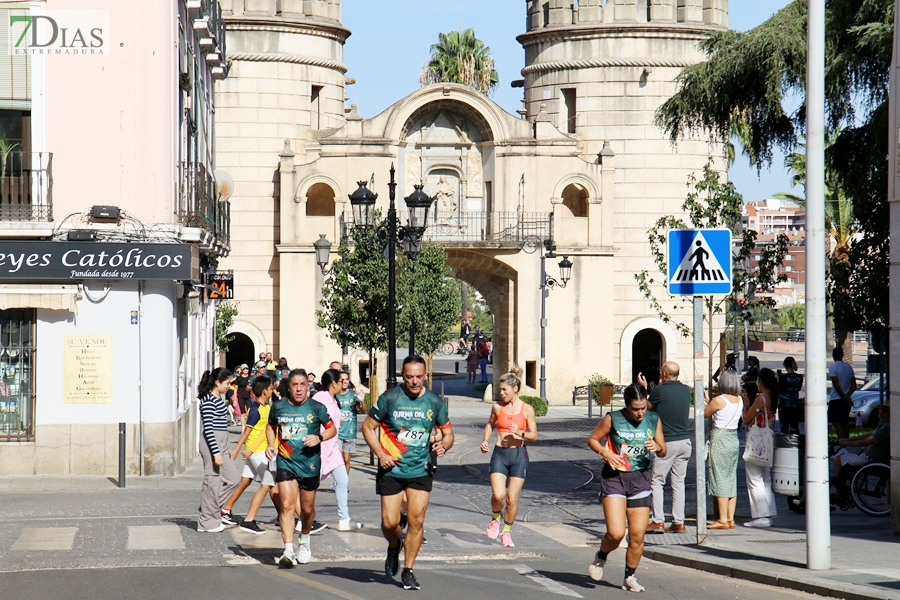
261	363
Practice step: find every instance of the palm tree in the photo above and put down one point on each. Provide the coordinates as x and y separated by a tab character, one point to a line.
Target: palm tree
842	227
460	57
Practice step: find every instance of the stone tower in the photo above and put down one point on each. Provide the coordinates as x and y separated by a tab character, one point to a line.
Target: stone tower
286	82
598	70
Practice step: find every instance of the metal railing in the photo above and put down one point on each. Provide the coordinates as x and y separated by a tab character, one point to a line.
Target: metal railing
198	205
26	186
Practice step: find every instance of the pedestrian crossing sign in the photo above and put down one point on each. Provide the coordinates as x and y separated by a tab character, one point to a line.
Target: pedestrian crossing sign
699	262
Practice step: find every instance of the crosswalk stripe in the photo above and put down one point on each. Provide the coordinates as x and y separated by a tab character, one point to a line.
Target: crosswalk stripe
155	537
564	534
554	587
465	535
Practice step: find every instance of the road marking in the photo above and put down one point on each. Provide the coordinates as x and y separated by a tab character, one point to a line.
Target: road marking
554	587
564	534
50	538
465	535
285	573
155	537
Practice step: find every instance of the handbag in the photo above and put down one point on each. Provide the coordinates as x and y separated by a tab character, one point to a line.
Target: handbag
760	449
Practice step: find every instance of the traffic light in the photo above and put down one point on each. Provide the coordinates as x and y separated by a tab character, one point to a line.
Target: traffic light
746	313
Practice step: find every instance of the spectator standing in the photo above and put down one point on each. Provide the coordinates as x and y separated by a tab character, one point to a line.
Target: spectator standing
271	365
749	378
465	330
725	410
762	411
671	400
471	363
790	411
220	474
843	384
483	354
242	388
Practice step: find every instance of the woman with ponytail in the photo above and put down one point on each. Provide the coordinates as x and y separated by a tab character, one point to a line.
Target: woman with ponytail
220	474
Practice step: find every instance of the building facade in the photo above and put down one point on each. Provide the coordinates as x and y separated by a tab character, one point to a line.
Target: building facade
109	223
584	164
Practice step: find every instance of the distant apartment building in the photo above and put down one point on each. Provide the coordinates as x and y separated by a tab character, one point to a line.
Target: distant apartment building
770	218
110	223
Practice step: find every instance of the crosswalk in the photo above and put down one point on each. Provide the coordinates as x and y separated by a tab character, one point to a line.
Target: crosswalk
172	537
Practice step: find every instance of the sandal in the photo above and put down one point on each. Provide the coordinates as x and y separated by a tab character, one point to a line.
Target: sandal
719	525
731	524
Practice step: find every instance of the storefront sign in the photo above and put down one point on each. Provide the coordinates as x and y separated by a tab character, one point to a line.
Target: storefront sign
223	283
87	369
98	260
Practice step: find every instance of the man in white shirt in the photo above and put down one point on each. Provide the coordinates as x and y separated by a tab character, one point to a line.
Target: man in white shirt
843	384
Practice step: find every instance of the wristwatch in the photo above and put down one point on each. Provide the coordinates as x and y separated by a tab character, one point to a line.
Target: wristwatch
321	439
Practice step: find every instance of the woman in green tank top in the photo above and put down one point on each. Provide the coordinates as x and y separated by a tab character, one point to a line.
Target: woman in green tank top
626	439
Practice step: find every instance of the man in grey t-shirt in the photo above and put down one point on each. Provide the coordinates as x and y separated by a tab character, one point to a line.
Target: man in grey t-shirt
671	399
843	384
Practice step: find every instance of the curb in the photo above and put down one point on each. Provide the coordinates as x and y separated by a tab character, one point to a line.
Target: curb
767	574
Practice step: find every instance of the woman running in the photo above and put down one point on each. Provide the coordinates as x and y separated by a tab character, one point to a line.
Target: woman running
625	439
515	424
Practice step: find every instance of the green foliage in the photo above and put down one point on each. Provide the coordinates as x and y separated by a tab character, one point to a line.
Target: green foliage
460	57
226	311
540	407
428	297
792	316
737	94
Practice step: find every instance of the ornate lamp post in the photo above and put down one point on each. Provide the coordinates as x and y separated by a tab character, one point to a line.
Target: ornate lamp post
410	235
548	250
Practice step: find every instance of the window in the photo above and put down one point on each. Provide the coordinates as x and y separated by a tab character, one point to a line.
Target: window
788	268
320	201
17	375
571	110
788	257
315	107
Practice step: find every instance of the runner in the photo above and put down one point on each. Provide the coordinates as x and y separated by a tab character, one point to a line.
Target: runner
515	424
398	429
296	423
349	401
625	439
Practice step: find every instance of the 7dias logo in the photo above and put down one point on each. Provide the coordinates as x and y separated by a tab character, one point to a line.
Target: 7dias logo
59	32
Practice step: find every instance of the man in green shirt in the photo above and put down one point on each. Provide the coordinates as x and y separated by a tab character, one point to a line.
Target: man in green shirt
877	445
671	399
294	442
398	429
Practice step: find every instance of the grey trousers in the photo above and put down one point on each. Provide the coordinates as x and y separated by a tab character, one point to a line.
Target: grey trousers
218	482
675	461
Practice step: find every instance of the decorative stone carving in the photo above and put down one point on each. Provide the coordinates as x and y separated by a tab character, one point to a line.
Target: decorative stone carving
473	174
445	200
413	170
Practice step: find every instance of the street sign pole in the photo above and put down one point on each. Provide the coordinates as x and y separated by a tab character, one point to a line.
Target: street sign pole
699	421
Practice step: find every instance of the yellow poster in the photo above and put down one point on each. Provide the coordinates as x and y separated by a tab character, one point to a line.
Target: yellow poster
87	369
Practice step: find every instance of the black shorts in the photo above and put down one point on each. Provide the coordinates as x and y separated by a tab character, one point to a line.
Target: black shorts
385	485
838	411
631	485
307	484
512	462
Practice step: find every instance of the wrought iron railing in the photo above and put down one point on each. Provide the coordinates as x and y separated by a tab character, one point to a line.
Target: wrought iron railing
26	186
198	205
472	227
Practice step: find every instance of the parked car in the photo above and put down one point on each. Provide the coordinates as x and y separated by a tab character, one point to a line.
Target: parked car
865	400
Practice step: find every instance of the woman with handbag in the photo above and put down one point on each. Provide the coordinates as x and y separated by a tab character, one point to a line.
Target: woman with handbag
724	448
760	415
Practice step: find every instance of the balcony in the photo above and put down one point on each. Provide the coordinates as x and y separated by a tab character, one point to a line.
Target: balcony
199	206
26	186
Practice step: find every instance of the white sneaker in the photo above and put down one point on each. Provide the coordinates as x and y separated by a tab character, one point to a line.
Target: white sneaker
348	525
298	528
221	527
287	560
303	554
760	522
631	585
596	568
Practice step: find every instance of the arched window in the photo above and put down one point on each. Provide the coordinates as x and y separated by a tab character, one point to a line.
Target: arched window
320	200
575	198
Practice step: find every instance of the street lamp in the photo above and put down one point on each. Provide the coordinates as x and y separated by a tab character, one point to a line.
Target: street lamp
548	250
323	250
410	235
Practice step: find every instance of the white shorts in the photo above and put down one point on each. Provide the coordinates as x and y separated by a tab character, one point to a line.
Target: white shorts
257	468
849	458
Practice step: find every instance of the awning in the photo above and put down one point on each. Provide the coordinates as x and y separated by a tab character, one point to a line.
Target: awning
49	296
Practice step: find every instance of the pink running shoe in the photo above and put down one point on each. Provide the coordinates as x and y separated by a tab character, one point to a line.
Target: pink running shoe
506	540
493	529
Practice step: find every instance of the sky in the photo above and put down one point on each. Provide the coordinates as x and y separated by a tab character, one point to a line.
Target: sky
391	40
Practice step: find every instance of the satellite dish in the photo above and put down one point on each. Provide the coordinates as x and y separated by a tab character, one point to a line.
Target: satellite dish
224	184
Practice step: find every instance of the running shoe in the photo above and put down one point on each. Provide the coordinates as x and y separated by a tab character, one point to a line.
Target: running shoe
317	527
348	525
506	540
251	527
409	580
303	554
228	519
392	562
288	560
216	529
631	585
403	520
596	568
493	529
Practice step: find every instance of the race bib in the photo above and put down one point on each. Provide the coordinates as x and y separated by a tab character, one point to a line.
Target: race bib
289	431
413	437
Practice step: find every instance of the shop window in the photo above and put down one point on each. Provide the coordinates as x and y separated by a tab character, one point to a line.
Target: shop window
17	349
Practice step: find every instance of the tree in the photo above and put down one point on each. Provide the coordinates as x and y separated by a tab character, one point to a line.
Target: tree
740	90
460	57
226	311
710	203
792	316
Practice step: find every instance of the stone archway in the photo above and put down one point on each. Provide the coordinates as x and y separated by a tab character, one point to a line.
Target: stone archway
668	347
255	336
646	355
240	351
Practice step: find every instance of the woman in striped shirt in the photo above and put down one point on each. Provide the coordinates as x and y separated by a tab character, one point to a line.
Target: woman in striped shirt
220	475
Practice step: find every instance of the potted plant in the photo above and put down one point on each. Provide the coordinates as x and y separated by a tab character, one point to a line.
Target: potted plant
601	389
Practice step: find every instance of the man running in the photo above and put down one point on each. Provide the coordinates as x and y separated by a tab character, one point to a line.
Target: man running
398	430
296	422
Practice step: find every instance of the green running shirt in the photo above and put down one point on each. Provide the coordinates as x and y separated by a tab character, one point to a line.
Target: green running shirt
626	439
292	424
348	403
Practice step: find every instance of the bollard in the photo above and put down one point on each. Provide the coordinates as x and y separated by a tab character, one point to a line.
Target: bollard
457	366
121	455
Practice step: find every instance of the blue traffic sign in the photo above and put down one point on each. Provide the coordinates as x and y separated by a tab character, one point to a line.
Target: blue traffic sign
699	262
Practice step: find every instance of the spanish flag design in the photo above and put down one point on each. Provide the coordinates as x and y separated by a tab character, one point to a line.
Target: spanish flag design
390	443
